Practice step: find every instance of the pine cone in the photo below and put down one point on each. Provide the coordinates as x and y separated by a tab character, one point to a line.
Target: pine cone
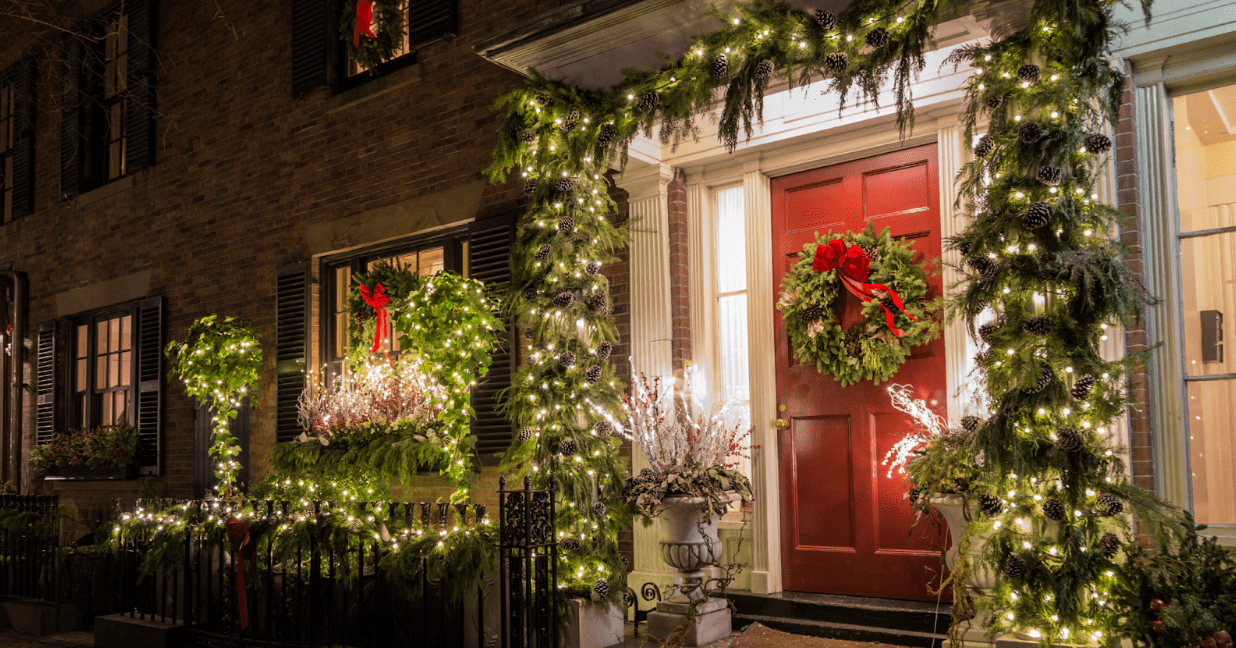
963	248
961	484
601	588
592	269
809	313
1108	505
598	302
626	564
598	509
853	341
566	447
603	428
1050	175
567	359
543	252
913	494
525	434
990	505
836	63
1098	143
1028	73
604	349
764	69
988	331
648	101
1040	326
569	544
564	185
1082	387
1036	215
528	136
970	423
566	225
1039	385
593	375
1015	566
529	294
564	299
825	20
569	122
606	135
995	101
1053	509
528	333
1069	439
1029	132
1109	544
720	66
542	100
878	37
529	187
984	266
985	145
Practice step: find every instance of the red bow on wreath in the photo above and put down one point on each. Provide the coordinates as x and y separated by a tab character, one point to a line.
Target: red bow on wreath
239	533
378	299
853	266
364	16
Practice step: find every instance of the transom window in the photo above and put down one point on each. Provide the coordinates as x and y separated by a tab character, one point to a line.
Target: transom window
103	375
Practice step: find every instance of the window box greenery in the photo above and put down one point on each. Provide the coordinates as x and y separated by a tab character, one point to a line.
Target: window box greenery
107	452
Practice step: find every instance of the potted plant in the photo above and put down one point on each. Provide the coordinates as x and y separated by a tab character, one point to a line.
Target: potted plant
106	452
693	479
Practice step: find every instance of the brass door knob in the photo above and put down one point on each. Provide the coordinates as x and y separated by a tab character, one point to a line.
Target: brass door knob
781	424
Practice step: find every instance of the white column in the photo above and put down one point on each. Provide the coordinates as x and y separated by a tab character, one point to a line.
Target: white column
766	572
951	150
651	326
1156	176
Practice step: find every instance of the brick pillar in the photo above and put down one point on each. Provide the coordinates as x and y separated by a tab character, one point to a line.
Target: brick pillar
680	299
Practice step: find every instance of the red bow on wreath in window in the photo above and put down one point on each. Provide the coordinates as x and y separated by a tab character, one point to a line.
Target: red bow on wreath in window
364	17
852	266
378	299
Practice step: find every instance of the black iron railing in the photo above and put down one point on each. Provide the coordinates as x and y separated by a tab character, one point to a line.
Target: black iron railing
529	565
29	539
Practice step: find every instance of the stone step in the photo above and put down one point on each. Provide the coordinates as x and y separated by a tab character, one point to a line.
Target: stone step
849	632
916	621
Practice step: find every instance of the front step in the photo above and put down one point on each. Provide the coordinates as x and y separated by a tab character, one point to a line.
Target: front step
903	623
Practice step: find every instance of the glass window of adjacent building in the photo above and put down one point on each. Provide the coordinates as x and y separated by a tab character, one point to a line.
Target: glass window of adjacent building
730	290
1205	143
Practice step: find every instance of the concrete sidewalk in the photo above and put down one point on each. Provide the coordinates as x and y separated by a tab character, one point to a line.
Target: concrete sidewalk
15	639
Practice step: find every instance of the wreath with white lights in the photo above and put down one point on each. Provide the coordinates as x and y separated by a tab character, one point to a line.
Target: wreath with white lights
897	315
365	46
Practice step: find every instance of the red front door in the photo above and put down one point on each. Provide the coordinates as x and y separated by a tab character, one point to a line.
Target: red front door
844	523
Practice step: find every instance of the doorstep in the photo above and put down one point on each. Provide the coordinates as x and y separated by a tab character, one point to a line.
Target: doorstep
903	623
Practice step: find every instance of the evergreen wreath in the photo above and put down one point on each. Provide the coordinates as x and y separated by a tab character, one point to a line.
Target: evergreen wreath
821	340
370	52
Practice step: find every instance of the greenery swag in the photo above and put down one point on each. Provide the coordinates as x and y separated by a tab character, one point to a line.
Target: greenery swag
371	51
112	445
219	361
867	350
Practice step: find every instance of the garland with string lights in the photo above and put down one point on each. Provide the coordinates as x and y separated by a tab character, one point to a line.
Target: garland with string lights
870	349
219	361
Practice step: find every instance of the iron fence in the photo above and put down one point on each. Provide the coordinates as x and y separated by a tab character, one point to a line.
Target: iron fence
529	565
29	539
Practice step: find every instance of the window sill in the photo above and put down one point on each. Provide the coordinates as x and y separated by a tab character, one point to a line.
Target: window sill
113	188
83	473
375	88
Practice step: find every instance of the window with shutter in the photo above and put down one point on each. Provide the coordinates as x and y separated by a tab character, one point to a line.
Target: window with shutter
150	385
17	102
45	422
313	41
108	97
291	345
489	252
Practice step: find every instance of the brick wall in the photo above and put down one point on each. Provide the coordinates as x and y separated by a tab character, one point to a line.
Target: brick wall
243	172
1128	200
619	275
679	243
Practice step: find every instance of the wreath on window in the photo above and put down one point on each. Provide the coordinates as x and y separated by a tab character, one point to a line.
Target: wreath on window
897	316
357	27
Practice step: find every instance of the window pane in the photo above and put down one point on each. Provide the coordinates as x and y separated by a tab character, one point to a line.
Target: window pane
1208	301
465	260
732	316
126	335
343	282
100	372
113	370
341	335
431	261
1212	445
1205	159
105	417
83	379
83	338
120	412
113	334
126	368
100	337
84	402
731	241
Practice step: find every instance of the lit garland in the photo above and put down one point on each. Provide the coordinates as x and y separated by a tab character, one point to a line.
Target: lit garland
219	361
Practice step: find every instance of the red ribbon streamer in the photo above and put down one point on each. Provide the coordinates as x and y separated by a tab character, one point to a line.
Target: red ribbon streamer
239	533
378	299
364	16
853	267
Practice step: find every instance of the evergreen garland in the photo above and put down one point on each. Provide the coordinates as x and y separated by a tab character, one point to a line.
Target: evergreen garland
389	35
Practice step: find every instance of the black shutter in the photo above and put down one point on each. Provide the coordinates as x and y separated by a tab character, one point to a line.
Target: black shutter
291	346
22	77
71	117
204	479
45	409
311	44
139	109
149	384
489	260
429	20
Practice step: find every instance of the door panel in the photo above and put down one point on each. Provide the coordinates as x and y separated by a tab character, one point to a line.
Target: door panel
845	525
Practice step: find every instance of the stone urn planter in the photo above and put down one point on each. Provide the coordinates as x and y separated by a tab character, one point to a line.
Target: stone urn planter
689	544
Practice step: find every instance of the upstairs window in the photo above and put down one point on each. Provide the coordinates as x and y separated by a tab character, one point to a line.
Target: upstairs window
16	141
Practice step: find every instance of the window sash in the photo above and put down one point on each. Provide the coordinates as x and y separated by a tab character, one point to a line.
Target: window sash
104	369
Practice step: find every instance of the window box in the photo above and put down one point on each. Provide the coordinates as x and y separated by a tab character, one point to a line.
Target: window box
88	473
